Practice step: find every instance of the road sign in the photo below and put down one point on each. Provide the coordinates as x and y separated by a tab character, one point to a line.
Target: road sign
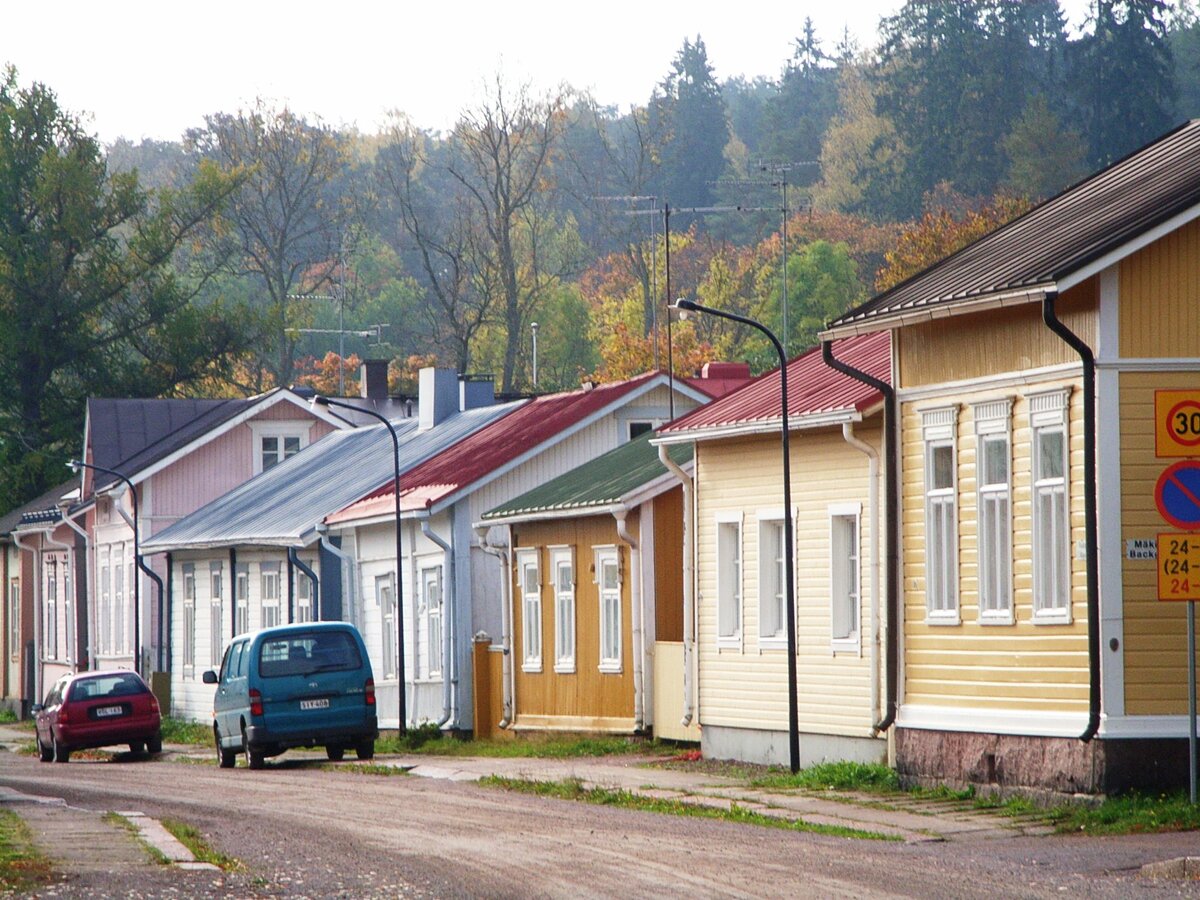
1177	494
1177	423
1178	566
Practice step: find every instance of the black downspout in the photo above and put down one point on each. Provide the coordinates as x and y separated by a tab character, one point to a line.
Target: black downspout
1050	317
291	616
314	610
170	598
232	593
162	638
891	448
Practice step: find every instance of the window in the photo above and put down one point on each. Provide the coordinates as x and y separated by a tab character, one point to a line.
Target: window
14	617
270	594
608	578
120	613
1051	520
729	581
216	626
637	429
106	610
994	510
941	519
385	596
241	588
845	600
772	580
304	594
431	624
562	571
68	608
531	610
50	610
189	617
277	441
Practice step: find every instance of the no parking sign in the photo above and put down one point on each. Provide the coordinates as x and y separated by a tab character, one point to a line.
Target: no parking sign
1177	494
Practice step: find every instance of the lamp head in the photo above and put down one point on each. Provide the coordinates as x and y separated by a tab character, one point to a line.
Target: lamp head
74	465
317	400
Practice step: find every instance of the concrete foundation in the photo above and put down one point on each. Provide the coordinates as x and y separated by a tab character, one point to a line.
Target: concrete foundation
771	747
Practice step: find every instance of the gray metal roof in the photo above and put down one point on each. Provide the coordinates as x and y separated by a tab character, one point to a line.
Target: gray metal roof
282	506
1053	240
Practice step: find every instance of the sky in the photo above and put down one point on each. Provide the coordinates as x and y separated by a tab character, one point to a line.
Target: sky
154	68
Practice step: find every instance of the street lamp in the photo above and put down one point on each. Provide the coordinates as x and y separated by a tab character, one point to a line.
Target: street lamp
75	465
789	563
319	400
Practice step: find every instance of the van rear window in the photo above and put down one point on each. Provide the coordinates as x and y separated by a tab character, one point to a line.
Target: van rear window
303	653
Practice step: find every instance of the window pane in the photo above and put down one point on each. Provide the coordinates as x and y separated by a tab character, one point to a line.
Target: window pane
943	467
995	461
291	446
1050	454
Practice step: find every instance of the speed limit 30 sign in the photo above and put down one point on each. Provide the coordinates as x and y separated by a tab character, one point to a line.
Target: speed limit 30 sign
1176	423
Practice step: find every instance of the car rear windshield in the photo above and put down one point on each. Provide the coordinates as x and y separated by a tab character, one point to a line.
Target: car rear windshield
306	652
106	686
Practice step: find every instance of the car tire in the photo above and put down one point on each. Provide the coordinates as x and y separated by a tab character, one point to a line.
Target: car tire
365	749
254	758
137	747
154	745
61	753
226	759
335	752
45	754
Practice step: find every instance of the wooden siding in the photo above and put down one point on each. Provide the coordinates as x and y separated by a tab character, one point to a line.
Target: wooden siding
668	565
961	348
1155	631
747	687
1160	297
587	693
1023	665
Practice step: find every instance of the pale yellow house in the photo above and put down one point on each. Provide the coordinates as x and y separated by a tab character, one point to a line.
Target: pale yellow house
735	636
1048	461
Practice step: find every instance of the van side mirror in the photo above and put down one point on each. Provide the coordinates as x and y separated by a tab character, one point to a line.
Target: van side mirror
209	677
36	708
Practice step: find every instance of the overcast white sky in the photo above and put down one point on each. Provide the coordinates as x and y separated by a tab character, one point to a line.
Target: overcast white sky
153	68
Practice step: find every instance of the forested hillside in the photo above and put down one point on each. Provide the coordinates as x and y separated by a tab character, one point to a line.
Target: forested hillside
248	252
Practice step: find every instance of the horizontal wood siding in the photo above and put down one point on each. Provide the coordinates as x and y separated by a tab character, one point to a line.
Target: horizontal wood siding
966	347
1155	631
587	693
747	687
1023	665
1160	297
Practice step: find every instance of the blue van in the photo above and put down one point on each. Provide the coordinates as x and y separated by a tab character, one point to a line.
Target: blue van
307	685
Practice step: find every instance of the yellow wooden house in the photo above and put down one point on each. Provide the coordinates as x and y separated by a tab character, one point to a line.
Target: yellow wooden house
1046	466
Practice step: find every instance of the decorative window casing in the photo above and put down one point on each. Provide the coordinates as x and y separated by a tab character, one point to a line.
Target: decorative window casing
216	619
993	512
845	576
772	579
276	441
608	584
1048	419
241	595
729	580
530	583
385	596
430	622
189	618
270	596
941	515
562	574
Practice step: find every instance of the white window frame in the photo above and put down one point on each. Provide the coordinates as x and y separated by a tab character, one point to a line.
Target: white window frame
772	579
845	576
241	598
385	597
730	580
14	618
528	559
1049	414
189	619
120	610
563	557
939	431
105	637
304	592
50	608
216	620
993	514
432	620
281	430
270	596
611	609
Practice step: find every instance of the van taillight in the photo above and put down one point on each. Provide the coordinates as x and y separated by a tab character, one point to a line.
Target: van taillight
370	691
255	702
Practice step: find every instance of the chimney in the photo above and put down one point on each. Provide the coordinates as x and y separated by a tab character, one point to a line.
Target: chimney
437	396
372	381
725	370
475	391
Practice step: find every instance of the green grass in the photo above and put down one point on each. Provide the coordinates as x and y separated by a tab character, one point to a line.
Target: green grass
23	868
1129	814
361	768
178	731
120	821
7	717
833	776
573	789
428	739
191	838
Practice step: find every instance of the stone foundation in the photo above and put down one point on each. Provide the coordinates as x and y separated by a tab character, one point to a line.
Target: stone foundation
1001	763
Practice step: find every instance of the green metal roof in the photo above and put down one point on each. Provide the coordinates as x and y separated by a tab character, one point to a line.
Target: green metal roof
603	482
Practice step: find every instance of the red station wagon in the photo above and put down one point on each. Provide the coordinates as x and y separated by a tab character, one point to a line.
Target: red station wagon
96	709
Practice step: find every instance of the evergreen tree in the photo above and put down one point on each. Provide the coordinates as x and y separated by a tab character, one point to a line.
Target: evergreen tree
799	114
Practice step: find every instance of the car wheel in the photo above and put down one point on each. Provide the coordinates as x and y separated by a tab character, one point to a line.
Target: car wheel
366	749
254	758
45	754
335	752
61	753
154	745
225	758
137	747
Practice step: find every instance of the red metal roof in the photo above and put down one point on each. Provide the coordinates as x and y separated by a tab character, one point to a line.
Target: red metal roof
813	389
493	446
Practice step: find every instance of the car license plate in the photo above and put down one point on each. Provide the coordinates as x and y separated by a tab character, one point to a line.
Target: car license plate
323	703
108	711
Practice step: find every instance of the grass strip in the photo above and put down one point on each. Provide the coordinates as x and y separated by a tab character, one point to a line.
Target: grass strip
191	838
833	776
573	789
121	821
429	739
179	731
23	868
361	768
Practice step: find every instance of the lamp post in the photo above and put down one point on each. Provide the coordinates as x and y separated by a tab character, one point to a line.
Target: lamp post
75	465
328	401
789	562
